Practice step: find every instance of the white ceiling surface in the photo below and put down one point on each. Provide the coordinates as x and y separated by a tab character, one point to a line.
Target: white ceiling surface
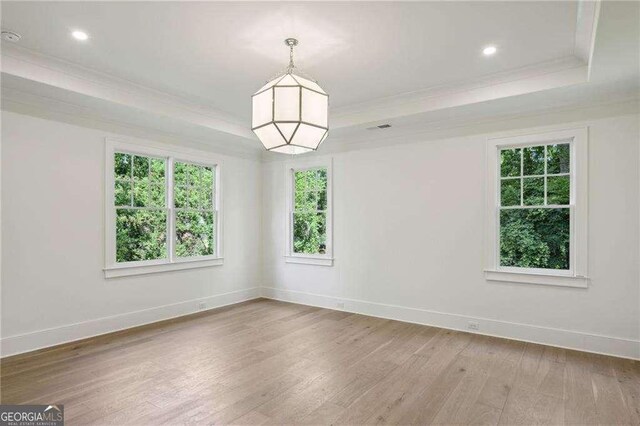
615	77
222	52
210	57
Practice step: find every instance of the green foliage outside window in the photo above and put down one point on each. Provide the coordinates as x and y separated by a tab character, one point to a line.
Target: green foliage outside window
310	211
535	215
141	216
140	235
535	238
195	218
141	208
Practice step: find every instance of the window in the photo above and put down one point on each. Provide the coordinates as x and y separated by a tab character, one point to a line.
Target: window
162	210
537	228
195	215
310	211
309	214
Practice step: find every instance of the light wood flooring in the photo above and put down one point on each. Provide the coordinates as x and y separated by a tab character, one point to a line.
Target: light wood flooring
268	362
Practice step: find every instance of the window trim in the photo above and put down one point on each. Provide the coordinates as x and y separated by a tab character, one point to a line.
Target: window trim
300	258
113	269
577	275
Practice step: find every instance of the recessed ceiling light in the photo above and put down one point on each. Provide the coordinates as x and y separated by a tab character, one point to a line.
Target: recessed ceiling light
489	50
80	35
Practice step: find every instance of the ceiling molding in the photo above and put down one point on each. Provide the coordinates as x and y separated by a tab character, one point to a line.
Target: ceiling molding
456	128
55	109
586	25
543	117
195	118
565	71
55	72
558	73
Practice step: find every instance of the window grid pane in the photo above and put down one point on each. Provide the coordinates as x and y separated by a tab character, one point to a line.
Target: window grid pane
195	233
531	161
535	238
141	234
533	191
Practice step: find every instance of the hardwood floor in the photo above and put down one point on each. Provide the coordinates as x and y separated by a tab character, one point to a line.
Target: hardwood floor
268	362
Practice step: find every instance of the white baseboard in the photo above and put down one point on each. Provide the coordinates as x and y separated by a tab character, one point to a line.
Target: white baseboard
13	345
607	345
616	346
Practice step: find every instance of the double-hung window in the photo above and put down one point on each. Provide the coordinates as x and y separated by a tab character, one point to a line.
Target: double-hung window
309	218
537	203
162	210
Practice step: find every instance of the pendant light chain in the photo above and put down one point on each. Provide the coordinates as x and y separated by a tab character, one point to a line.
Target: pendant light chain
292	43
291	65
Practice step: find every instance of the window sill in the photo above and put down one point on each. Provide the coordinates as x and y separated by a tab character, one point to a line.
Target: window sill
127	270
533	278
310	260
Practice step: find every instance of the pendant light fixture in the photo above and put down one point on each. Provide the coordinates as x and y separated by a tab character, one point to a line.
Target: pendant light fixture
290	113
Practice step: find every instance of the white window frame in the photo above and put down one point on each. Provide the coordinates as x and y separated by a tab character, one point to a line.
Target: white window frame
576	276
301	258
114	269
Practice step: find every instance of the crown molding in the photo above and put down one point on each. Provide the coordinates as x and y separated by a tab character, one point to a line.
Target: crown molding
569	70
421	132
192	114
546	118
25	103
586	24
44	69
558	73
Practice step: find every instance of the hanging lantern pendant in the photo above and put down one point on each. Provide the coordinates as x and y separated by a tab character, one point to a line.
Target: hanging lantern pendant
290	113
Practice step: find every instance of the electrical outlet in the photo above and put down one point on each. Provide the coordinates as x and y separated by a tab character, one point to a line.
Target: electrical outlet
202	306
473	325
340	304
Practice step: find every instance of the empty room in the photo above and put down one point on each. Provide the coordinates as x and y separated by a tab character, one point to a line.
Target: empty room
320	213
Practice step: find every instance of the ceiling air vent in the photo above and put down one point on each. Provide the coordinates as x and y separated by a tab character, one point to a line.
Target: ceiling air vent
381	126
11	36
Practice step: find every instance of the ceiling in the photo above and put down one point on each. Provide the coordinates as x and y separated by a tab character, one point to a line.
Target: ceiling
223	52
199	62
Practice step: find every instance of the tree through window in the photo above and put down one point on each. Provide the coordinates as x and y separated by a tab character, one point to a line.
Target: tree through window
194	209
535	206
145	217
140	204
310	211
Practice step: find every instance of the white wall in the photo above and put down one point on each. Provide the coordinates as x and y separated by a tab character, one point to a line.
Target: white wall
53	286
408	242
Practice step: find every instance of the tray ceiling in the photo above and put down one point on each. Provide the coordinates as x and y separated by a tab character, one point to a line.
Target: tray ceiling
199	62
